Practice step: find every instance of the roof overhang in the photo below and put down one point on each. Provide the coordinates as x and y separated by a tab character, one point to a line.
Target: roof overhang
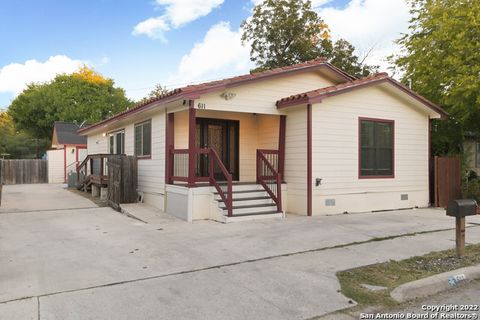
386	82
195	91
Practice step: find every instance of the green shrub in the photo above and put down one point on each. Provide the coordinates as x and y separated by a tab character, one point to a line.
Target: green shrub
471	189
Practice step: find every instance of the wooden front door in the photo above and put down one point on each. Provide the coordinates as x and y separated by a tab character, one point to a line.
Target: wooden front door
221	135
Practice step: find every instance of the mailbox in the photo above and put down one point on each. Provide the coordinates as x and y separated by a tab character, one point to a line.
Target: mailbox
462	208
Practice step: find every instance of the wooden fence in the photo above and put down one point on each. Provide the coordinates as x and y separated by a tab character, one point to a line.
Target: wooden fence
122	180
23	171
448	178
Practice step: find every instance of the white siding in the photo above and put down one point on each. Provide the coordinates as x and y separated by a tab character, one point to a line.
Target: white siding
260	97
335	154
151	172
55	166
296	160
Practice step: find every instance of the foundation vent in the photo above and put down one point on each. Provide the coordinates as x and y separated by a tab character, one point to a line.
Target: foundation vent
329	202
404	196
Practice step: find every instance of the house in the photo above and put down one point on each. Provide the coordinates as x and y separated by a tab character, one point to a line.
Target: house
307	139
67	150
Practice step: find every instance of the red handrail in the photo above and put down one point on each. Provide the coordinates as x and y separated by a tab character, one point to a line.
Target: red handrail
227	199
266	172
213	158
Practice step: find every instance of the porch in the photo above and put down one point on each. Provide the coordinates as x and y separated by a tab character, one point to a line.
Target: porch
238	158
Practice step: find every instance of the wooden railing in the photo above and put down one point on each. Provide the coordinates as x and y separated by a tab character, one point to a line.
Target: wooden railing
93	165
180	171
268	175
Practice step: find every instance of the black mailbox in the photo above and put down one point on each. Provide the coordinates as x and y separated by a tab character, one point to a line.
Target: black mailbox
462	208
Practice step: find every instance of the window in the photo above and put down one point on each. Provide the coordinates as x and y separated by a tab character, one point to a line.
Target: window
117	142
143	139
376	148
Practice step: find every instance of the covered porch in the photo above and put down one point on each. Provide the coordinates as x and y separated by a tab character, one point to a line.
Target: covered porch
225	150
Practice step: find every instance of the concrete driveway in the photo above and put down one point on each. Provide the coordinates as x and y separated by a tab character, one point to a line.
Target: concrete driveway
72	260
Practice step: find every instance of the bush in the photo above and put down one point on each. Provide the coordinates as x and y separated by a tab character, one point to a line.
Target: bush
471	189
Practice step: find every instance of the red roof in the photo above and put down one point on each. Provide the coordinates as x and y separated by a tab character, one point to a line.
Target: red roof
318	95
193	91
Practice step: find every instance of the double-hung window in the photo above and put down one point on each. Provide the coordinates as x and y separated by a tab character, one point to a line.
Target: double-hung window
143	139
117	142
376	150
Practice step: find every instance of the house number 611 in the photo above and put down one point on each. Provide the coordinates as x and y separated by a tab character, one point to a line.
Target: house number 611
202	105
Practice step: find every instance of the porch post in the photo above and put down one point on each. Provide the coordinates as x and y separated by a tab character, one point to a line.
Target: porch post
309	159
281	145
192	154
169	146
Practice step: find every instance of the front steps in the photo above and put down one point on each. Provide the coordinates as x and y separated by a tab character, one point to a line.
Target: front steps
250	202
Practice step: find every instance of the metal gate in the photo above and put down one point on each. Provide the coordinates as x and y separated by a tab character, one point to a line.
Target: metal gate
448	178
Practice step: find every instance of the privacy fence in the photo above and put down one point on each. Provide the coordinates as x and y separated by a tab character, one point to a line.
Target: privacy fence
23	171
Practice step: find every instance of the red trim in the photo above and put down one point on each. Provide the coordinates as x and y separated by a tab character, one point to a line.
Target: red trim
76	155
309	159
360	119
194	91
169	146
430	171
192	154
64	164
281	146
319	95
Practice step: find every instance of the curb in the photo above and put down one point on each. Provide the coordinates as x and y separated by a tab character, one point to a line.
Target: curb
435	284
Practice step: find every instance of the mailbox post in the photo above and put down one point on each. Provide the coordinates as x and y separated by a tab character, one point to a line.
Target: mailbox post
460	209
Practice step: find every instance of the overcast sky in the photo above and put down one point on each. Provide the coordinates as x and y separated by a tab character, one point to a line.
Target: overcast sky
141	43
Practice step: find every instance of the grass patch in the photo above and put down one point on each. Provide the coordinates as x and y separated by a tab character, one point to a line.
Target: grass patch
394	273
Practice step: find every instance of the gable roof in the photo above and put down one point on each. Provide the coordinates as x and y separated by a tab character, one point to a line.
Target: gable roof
67	133
318	95
194	91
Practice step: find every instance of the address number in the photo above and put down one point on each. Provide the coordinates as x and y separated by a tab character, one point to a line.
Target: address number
202	106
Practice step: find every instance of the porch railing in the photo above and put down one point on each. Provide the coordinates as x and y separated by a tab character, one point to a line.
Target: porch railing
93	165
217	175
268	175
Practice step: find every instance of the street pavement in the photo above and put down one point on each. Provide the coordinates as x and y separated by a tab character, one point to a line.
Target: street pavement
72	260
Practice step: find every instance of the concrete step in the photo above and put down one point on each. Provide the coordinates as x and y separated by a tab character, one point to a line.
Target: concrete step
244	187
248	209
251	201
244	194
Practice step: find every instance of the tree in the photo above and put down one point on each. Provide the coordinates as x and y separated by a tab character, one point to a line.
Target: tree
286	32
157	92
342	55
441	59
82	96
18	144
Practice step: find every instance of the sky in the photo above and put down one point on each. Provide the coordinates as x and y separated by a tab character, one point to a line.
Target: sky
141	43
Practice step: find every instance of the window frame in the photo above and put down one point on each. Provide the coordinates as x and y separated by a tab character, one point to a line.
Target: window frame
376	120
149	156
114	133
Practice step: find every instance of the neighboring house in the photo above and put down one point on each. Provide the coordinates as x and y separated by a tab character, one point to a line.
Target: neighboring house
67	151
337	143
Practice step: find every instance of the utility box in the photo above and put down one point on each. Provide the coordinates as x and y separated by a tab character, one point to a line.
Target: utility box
462	208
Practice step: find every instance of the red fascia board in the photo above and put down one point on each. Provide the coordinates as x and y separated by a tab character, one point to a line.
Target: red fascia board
130	112
194	93
311	97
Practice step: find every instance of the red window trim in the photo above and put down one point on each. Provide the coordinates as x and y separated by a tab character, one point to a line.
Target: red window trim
360	119
148	156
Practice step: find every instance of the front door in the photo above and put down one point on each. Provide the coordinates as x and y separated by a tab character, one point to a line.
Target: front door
221	135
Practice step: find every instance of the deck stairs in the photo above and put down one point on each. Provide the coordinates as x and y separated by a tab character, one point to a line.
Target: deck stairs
250	202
